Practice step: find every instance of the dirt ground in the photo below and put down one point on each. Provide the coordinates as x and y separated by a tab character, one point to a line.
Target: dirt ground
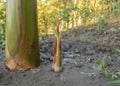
81	48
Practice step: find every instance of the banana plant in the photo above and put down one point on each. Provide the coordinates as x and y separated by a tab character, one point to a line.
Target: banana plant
56	51
22	47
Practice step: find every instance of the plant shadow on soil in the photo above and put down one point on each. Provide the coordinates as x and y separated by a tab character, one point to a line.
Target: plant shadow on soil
81	48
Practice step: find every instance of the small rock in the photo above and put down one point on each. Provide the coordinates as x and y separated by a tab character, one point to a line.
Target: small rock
35	71
51	82
24	75
77	50
57	75
90	52
92	76
62	78
89	60
69	55
48	79
67	61
66	47
45	56
79	64
68	67
89	74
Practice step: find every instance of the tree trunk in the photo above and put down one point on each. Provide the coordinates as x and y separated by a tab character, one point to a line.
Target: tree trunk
22	47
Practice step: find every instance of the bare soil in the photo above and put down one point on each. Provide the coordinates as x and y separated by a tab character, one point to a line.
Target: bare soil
81	48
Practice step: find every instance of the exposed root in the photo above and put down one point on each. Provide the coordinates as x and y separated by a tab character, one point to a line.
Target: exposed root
56	69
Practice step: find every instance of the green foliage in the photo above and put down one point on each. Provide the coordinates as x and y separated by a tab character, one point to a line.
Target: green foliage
2	34
65	14
102	67
2	25
115	82
101	23
118	50
111	30
73	13
115	7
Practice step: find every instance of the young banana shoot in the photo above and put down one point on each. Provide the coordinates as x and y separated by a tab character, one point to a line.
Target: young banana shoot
56	52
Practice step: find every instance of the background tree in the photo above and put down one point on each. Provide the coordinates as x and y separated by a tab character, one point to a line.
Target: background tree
22	48
2	25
